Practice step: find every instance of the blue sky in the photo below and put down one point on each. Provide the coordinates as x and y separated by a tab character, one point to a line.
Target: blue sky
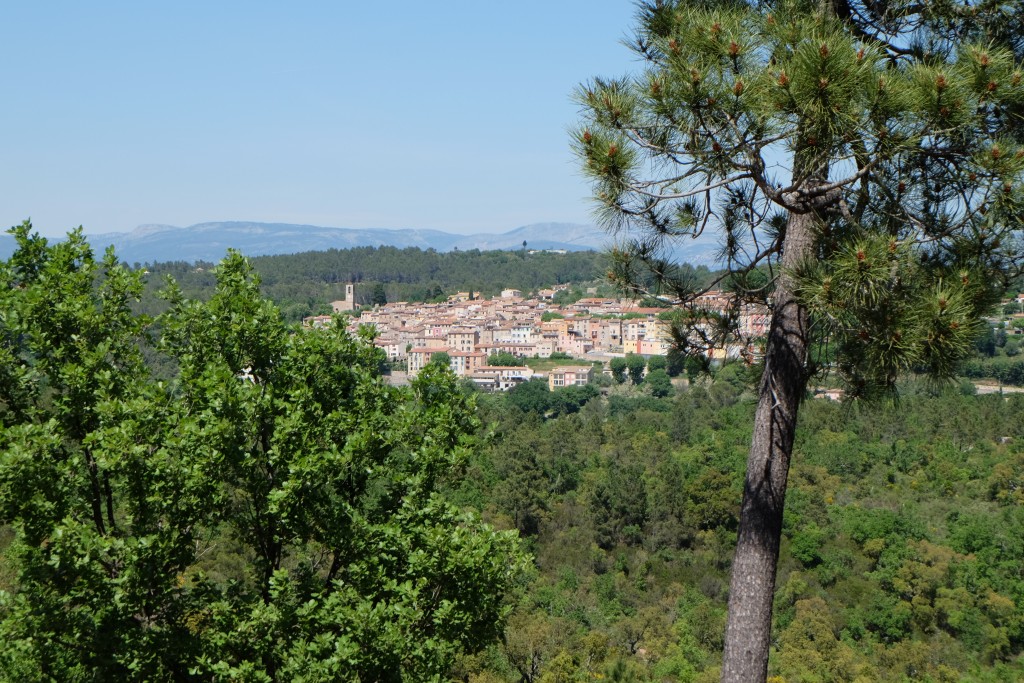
450	115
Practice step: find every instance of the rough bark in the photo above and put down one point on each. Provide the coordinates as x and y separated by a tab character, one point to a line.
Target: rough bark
783	384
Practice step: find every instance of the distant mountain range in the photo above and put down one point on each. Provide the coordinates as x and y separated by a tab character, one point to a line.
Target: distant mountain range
210	241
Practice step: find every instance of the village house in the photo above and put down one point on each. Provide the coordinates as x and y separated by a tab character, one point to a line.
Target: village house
518	350
394	349
465	363
317	321
596	305
570	375
606	334
500	377
424	341
462	338
545	346
419	358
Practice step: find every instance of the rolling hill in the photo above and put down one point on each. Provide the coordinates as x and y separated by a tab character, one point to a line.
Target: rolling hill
209	241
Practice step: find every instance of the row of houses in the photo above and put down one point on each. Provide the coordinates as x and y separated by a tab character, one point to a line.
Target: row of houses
471	330
469	340
473	366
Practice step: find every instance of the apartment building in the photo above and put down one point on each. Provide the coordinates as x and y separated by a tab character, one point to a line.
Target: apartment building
462	338
420	357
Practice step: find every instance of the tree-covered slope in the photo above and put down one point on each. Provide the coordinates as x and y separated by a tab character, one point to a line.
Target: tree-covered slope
302	284
902	542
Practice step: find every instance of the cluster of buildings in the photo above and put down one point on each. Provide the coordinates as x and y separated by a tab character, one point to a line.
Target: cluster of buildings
472	330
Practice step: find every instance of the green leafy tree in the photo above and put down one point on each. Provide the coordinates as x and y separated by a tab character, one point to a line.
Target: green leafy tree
866	157
660	383
521	488
532	396
379	296
696	365
441	359
126	494
619	505
505	359
675	363
999	336
986	342
568	400
635	365
657	363
619	369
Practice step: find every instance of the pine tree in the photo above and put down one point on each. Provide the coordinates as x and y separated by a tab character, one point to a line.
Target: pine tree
861	165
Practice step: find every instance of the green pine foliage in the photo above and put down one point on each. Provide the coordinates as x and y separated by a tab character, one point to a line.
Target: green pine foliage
922	153
867	157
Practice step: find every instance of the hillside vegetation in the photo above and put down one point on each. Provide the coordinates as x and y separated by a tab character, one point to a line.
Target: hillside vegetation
902	556
303	284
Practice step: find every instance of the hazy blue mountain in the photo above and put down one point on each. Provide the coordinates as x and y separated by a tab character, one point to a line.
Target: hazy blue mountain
209	241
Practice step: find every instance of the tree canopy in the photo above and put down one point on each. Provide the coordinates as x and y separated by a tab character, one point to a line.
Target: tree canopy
271	513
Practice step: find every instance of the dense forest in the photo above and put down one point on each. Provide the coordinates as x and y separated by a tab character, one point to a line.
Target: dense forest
902	557
303	284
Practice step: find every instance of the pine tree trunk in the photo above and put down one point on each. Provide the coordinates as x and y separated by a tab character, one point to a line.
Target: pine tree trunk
783	384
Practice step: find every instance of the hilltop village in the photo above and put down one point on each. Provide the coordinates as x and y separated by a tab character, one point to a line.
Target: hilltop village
470	331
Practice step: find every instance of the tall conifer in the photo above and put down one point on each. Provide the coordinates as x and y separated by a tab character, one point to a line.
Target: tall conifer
861	164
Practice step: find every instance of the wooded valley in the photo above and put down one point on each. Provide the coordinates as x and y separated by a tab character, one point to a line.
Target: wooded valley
273	507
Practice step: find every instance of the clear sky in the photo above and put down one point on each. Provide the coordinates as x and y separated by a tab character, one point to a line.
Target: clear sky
451	115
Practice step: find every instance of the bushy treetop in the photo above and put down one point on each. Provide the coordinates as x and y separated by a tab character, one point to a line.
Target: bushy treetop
271	513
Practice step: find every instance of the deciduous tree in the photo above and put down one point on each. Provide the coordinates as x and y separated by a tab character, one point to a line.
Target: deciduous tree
660	383
636	365
128	495
619	369
441	359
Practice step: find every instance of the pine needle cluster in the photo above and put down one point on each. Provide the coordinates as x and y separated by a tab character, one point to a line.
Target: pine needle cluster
904	136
